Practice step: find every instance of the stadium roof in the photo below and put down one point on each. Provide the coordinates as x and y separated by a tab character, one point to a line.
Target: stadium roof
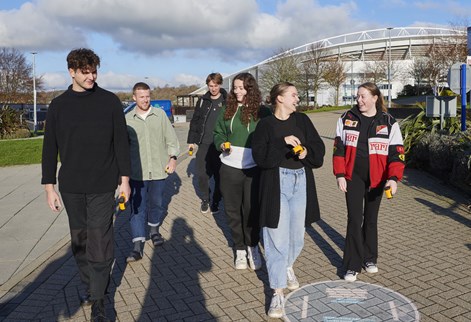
370	45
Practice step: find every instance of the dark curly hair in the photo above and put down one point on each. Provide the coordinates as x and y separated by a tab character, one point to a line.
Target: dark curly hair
82	58
253	99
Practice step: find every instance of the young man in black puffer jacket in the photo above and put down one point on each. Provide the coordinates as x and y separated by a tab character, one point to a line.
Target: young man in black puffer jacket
201	133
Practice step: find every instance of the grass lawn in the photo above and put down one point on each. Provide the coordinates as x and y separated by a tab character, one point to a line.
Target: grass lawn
17	152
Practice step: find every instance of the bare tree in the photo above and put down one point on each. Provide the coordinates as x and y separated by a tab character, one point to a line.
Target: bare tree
313	70
432	69
16	82
418	71
283	67
335	76
375	71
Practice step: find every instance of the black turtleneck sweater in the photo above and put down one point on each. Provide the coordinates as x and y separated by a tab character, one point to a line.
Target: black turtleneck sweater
87	130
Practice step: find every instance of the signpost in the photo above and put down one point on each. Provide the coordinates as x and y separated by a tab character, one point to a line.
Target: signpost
459	79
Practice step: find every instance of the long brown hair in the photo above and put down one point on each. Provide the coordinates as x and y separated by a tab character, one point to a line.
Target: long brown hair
374	90
253	99
279	89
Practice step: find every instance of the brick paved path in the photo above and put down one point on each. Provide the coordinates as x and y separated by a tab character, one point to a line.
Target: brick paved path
425	255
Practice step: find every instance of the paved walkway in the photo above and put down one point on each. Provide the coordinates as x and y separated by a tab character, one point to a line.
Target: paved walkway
425	253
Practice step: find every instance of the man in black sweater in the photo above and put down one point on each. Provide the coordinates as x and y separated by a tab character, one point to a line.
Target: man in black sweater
85	127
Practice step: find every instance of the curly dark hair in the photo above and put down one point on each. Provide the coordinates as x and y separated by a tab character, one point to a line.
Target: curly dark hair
253	99
82	58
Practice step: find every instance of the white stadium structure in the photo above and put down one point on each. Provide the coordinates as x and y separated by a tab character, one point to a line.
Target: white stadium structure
396	46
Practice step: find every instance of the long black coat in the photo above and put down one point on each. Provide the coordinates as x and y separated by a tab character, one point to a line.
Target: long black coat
268	151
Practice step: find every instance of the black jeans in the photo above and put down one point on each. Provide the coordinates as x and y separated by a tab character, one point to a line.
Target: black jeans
208	165
239	188
361	242
92	237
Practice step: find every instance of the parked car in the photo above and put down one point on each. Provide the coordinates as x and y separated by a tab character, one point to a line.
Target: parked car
166	105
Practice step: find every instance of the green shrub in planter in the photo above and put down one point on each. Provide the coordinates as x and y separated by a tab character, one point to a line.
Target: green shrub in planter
18	134
9	122
444	153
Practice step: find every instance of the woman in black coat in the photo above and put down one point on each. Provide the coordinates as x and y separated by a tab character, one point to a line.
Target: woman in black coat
288	198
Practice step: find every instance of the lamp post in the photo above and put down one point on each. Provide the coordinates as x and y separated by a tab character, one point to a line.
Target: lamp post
352	82
389	69
35	117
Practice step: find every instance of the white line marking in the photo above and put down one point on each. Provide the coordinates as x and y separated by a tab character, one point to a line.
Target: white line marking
392	306
305	304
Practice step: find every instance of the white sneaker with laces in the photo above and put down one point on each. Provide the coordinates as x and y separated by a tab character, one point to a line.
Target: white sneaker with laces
371	267
293	283
350	276
241	259
254	257
276	306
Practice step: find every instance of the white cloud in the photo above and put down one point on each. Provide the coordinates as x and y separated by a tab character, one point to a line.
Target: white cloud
124	82
30	28
56	80
232	28
186	79
226	33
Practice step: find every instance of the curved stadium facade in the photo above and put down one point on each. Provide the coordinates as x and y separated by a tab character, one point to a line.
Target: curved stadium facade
359	50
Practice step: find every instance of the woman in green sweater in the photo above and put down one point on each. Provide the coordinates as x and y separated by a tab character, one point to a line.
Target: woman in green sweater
239	172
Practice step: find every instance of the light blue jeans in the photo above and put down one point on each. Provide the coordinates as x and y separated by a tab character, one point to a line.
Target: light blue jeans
146	206
284	243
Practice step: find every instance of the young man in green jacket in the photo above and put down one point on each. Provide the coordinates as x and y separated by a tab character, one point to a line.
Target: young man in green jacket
154	149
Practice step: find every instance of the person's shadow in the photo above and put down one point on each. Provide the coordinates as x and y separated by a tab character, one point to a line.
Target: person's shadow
220	216
329	252
174	292
123	238
56	285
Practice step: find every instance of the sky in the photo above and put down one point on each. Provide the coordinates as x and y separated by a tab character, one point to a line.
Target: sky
180	42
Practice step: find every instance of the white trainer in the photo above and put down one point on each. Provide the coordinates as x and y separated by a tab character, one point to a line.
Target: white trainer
241	259
350	276
276	306
293	283
254	257
371	267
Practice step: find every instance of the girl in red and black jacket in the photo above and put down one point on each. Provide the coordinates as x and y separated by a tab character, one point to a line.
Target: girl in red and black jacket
368	156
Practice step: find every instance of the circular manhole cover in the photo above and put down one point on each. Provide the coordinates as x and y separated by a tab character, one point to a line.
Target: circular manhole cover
340	301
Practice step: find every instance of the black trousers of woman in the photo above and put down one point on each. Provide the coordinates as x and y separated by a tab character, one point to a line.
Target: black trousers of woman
239	189
361	242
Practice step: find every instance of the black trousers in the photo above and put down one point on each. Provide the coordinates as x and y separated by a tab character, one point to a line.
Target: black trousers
208	165
92	237
361	242
239	189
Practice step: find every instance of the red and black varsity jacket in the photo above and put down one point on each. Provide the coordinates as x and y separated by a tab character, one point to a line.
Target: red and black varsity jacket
385	146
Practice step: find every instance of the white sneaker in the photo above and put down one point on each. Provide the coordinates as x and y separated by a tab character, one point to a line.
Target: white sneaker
255	258
276	306
350	276
371	267
293	283
241	259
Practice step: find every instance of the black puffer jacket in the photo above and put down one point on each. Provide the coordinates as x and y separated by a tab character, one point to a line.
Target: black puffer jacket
198	122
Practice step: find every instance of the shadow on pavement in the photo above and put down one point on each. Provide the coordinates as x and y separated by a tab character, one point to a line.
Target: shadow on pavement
175	266
439	210
46	289
329	252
